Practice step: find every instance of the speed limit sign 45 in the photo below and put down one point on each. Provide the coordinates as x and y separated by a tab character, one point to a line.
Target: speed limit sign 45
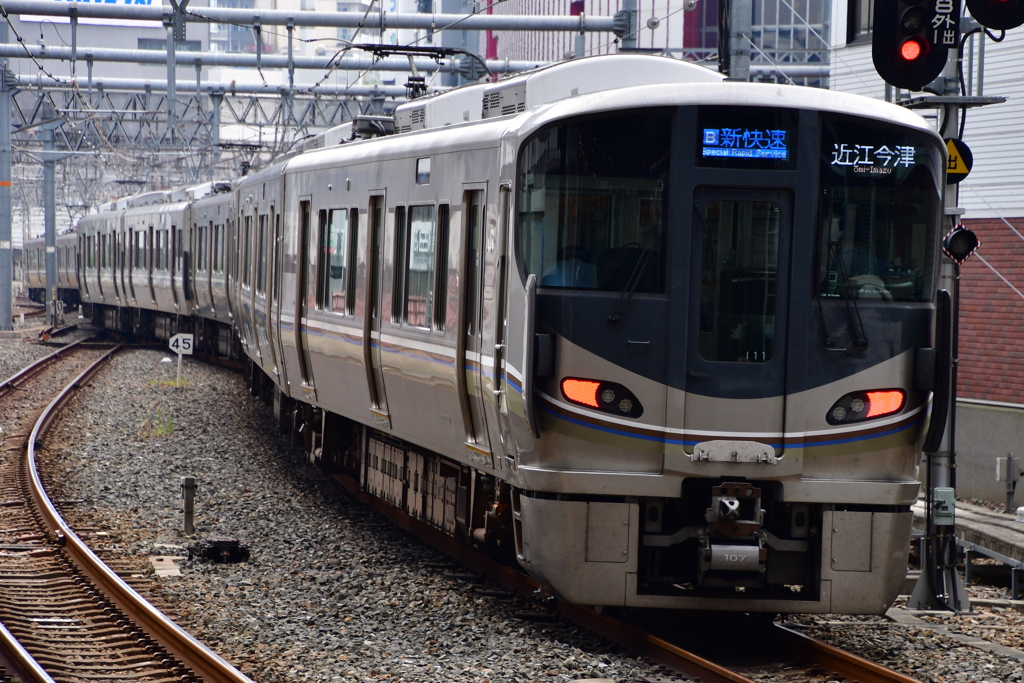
181	344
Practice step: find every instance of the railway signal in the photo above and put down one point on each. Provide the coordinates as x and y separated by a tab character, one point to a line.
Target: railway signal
998	14
911	39
959	243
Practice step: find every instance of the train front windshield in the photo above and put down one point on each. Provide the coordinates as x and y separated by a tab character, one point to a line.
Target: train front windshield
592	203
880	203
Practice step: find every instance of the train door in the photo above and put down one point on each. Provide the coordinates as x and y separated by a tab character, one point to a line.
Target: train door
260	306
133	250
736	357
277	343
305	290
149	264
83	261
469	343
209	262
493	293
174	266
372	312
124	274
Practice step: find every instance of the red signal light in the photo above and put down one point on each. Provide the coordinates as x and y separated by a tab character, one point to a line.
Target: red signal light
912	49
582	391
884	402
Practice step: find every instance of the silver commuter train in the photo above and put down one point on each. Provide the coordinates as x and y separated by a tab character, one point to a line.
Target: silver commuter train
34	269
649	333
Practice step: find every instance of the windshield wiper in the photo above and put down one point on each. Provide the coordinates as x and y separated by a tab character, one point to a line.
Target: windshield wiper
852	309
631	284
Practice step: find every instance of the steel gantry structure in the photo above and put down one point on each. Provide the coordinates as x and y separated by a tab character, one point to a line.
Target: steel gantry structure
139	133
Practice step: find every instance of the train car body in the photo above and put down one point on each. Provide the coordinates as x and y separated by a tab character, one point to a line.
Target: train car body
34	267
649	334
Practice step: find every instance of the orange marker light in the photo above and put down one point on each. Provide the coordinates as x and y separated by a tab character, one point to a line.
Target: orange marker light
884	402
581	391
911	50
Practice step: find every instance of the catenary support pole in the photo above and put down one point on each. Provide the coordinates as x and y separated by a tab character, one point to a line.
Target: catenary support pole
216	99
50	222
739	39
629	39
6	241
171	83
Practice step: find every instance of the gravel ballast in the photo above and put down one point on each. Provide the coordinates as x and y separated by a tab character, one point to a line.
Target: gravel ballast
332	591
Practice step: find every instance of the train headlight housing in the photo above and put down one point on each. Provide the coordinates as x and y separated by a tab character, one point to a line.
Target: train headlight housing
866	405
608	397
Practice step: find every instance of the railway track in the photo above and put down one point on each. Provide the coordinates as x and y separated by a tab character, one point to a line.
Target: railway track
794	655
65	615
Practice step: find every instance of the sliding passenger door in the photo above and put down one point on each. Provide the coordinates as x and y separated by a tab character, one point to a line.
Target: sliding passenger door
305	290
276	342
469	343
373	315
736	358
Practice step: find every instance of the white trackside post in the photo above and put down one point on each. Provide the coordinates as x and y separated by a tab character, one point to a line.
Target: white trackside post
181	344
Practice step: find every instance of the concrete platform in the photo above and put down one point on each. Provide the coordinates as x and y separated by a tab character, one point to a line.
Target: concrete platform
983	527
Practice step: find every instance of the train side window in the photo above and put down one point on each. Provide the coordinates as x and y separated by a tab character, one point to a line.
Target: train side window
398	281
353	242
179	249
334	261
323	249
261	254
419	272
200	250
218	249
441	269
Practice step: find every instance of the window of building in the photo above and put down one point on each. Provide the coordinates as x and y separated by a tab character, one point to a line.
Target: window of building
858	21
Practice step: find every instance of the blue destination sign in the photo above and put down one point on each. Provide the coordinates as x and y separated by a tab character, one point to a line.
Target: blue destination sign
745	143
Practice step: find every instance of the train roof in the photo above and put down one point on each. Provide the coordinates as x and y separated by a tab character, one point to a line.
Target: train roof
487	132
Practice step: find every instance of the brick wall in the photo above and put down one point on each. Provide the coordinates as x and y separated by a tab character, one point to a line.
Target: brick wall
992	315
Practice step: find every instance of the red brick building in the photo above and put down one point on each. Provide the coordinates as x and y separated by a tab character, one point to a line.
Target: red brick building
992	314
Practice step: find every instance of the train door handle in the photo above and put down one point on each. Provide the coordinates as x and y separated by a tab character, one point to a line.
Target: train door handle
693	374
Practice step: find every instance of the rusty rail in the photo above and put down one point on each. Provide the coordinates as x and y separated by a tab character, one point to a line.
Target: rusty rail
193	654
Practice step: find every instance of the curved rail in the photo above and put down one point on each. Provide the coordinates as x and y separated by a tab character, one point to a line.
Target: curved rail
833	659
206	663
20	661
18	378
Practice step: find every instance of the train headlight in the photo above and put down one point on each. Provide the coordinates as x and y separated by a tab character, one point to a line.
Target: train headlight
866	405
608	397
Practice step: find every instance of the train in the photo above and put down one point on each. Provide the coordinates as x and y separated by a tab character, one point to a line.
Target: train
659	338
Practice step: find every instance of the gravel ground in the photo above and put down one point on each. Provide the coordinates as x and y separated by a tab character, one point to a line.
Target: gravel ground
335	593
332	592
919	652
16	354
